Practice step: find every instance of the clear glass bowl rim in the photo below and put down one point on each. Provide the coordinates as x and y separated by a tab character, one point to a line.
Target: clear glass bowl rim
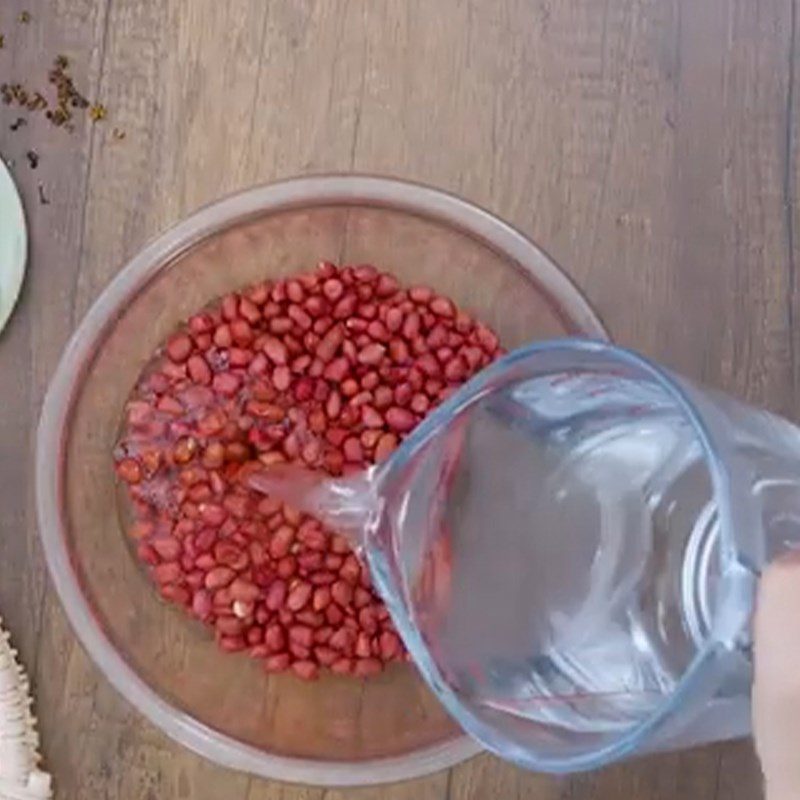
286	195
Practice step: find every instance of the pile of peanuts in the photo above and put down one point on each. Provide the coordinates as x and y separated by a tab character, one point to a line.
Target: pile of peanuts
329	369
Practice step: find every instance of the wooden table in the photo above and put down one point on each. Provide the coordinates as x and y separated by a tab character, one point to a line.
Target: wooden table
649	145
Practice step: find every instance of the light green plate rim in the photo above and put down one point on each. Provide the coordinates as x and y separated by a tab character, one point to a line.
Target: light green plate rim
13	245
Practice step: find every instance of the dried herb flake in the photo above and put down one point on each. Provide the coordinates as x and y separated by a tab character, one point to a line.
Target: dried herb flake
97	112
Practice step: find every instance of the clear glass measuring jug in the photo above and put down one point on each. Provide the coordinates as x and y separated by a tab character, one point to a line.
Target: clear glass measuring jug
569	547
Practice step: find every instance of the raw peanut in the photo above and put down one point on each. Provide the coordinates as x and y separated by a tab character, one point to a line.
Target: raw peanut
399	352
228	625
230	306
300	317
349	387
223	338
199	371
205	562
287	567
342	640
294	291
203	341
363	648
249	310
169	405
201	323
455	371
276	595
302	635
370	417
386	445
201	604
281	541
312	536
310	618
276	351
371	354
394	319
176	594
241	332
333	561
345	307
351	570
205	540
321	598
368	620
232	644
168	548
213	455
390	646
298	596
281	378
420	403
222	600
339	544
306	670
367	667
352	450
361	597
242	609
212	514
228	553
325	656
244	590
292	515
179	348
254	636
322	578
285	617
336	370
323	634
219	577
258	553
274	638
333	289
399	419
129	470
421	294
226	383
303	390
342	666
141	529
268	506
310	561
299	652
378	331
167	572
277	663
342	593
334	615
237	505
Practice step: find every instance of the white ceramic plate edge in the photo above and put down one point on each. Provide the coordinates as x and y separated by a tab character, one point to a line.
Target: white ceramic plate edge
13	245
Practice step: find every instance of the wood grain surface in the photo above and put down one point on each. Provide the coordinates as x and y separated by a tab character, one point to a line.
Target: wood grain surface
649	145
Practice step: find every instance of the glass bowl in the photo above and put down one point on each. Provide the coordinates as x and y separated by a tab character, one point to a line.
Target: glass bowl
337	731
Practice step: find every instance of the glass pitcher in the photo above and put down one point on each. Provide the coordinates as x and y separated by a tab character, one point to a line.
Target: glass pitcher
569	547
